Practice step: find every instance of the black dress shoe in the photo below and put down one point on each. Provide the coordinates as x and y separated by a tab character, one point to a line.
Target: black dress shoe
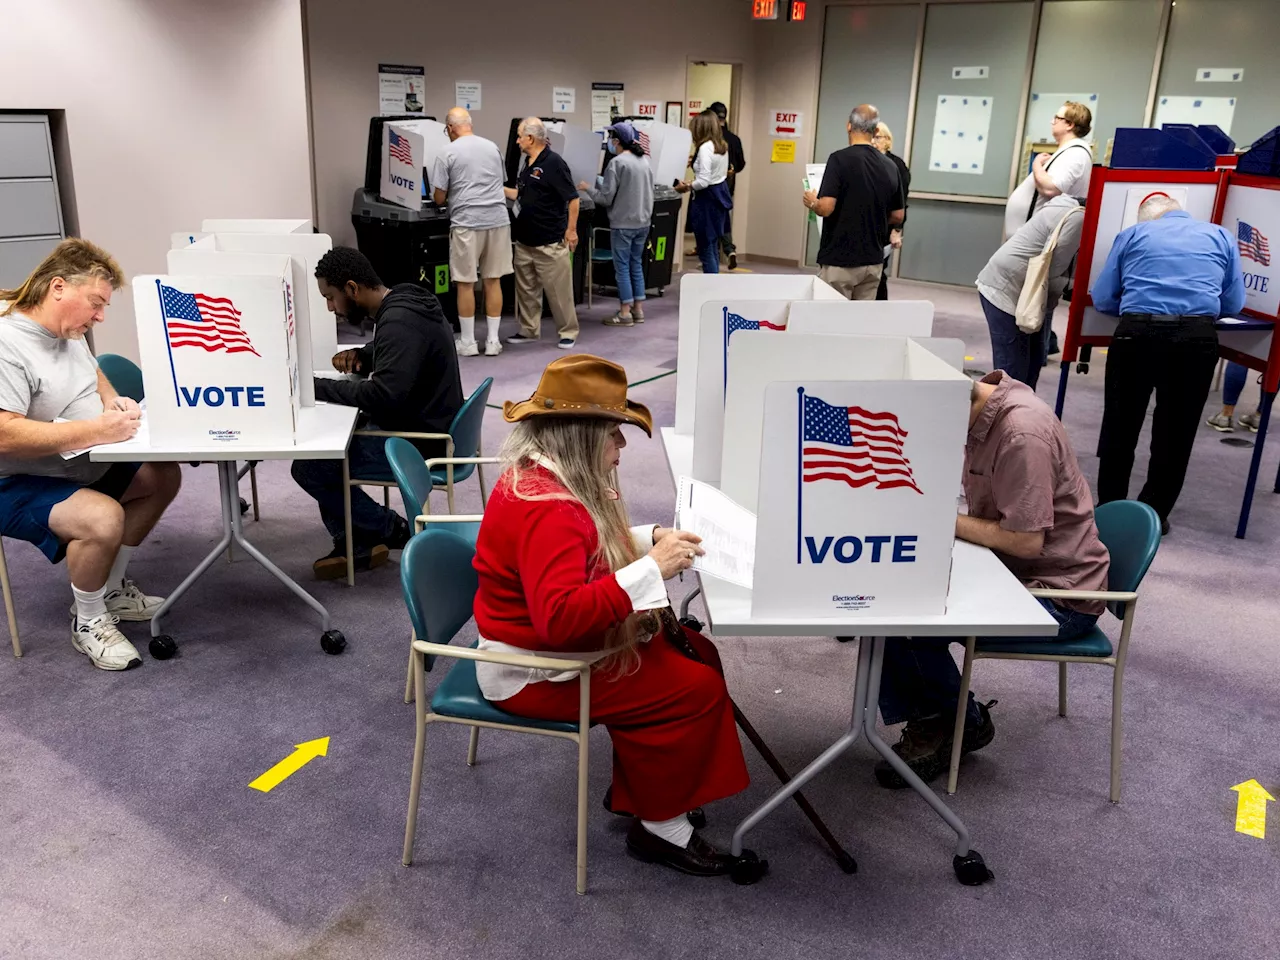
333	565
400	533
698	859
1164	528
697	818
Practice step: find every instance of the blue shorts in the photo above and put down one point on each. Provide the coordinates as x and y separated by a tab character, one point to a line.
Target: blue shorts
25	503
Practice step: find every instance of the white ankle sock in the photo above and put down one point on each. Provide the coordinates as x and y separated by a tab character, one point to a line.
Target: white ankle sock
89	603
115	579
468	325
493	324
677	830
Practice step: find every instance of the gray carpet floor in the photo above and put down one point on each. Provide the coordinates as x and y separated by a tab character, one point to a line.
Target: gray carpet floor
127	829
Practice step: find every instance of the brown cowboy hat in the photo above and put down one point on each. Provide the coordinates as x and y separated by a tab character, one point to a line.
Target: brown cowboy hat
581	386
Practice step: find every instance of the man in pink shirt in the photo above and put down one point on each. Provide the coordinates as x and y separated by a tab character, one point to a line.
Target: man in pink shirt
1030	504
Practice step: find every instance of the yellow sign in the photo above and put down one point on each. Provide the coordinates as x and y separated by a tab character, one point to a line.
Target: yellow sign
784	151
1251	808
303	753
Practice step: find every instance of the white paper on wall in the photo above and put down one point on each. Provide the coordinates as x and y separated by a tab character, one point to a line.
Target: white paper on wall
1217	111
563	99
960	128
608	101
1044	106
1219	74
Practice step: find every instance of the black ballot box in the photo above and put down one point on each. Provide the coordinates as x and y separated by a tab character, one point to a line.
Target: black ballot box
659	250
406	246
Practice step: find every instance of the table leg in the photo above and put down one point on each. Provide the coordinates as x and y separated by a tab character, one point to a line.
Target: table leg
204	564
1246	505
823	761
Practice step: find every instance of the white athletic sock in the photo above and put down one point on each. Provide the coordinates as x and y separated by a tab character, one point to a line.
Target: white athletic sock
89	603
677	830
493	323
468	325
115	579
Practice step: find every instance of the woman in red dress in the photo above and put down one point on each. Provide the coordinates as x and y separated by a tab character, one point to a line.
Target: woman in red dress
562	574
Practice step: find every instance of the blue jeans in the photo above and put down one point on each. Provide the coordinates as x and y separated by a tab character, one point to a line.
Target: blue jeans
628	262
920	680
370	521
1021	355
1233	383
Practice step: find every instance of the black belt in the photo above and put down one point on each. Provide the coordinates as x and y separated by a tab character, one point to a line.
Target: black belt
1166	317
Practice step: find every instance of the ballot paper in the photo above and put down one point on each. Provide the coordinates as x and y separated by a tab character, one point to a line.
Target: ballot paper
728	531
72	454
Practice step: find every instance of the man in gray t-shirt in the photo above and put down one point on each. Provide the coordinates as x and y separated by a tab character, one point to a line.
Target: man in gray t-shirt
54	404
468	177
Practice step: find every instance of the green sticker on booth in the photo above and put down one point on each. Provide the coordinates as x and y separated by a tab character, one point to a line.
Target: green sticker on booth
442	278
661	252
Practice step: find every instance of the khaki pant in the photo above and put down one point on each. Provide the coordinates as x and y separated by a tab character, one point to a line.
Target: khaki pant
854	283
545	269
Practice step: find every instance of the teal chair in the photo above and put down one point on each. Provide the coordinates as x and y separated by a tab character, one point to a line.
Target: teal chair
463	457
414	478
123	374
1131	533
599	254
439	584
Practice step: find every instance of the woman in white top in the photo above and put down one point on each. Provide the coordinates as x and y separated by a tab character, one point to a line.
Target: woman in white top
1065	171
711	203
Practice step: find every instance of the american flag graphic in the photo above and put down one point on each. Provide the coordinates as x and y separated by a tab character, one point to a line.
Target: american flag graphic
399	147
1253	244
853	445
288	306
644	141
198	320
732	324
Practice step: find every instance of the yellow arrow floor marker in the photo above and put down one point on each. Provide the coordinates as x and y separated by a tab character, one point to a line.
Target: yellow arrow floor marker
1251	808
303	753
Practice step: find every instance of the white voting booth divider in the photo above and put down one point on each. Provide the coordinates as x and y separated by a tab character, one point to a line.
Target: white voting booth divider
266	225
696	291
859	442
219	357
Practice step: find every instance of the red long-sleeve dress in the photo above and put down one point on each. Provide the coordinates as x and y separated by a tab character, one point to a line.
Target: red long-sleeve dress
675	743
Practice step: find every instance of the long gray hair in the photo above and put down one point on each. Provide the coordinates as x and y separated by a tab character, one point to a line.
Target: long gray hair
576	446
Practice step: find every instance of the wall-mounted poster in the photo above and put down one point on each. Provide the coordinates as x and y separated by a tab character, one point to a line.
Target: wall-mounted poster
960	128
675	113
400	89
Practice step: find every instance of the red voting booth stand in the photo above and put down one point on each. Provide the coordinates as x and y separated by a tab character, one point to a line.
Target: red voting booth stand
1222	196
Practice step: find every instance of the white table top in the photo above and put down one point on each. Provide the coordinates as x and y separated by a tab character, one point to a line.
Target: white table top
323	434
985	599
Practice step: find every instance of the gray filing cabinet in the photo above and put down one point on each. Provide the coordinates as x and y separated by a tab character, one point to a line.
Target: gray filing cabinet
30	208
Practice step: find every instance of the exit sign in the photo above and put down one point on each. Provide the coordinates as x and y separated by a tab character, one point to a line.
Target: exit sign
796	10
764	9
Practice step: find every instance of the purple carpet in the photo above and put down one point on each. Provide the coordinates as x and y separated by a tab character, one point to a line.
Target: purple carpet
127	829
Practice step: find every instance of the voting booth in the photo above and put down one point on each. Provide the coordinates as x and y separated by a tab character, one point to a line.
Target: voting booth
849	451
1246	204
219	357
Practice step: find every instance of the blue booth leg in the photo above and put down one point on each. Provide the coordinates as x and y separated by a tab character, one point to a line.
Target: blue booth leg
1255	464
1062	388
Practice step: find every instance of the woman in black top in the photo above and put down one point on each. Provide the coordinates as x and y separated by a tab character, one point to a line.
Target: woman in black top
883	141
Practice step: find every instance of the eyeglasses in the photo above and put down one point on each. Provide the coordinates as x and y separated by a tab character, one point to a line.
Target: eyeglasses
1058	116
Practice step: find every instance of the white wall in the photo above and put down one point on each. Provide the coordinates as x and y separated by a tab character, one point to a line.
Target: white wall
176	110
516	52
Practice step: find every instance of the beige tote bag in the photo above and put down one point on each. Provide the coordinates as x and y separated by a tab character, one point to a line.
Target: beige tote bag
1035	288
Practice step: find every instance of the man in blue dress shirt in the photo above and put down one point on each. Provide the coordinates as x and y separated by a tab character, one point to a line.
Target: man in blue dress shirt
1168	278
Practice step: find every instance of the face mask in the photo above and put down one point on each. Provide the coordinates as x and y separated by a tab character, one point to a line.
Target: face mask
610	146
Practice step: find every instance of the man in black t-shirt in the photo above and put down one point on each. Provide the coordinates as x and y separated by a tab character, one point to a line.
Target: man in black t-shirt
737	163
545	233
860	198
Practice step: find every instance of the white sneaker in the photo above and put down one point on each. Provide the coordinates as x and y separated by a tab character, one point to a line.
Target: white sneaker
492	348
102	643
131	604
467	348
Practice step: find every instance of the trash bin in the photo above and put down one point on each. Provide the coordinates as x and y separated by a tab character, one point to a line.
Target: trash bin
406	246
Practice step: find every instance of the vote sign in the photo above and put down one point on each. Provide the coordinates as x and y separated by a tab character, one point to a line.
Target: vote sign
404	156
219	359
862	479
1252	216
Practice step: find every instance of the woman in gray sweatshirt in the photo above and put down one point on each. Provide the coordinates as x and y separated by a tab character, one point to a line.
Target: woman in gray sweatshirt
626	189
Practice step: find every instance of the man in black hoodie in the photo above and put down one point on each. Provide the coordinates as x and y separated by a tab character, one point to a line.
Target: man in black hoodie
408	382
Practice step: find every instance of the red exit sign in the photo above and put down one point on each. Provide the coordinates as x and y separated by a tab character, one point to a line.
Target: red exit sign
764	9
796	10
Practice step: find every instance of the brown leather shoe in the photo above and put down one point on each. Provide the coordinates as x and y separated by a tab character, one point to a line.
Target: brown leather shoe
698	859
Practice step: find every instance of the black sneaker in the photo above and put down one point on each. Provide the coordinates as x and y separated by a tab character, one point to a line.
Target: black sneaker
926	747
733	261
333	565
400	533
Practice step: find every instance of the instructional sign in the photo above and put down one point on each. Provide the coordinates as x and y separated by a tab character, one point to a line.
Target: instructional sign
784	151
786	124
608	102
467	95
563	99
401	89
694	108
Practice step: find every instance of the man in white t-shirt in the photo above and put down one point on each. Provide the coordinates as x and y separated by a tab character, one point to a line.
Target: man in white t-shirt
1064	172
468	175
